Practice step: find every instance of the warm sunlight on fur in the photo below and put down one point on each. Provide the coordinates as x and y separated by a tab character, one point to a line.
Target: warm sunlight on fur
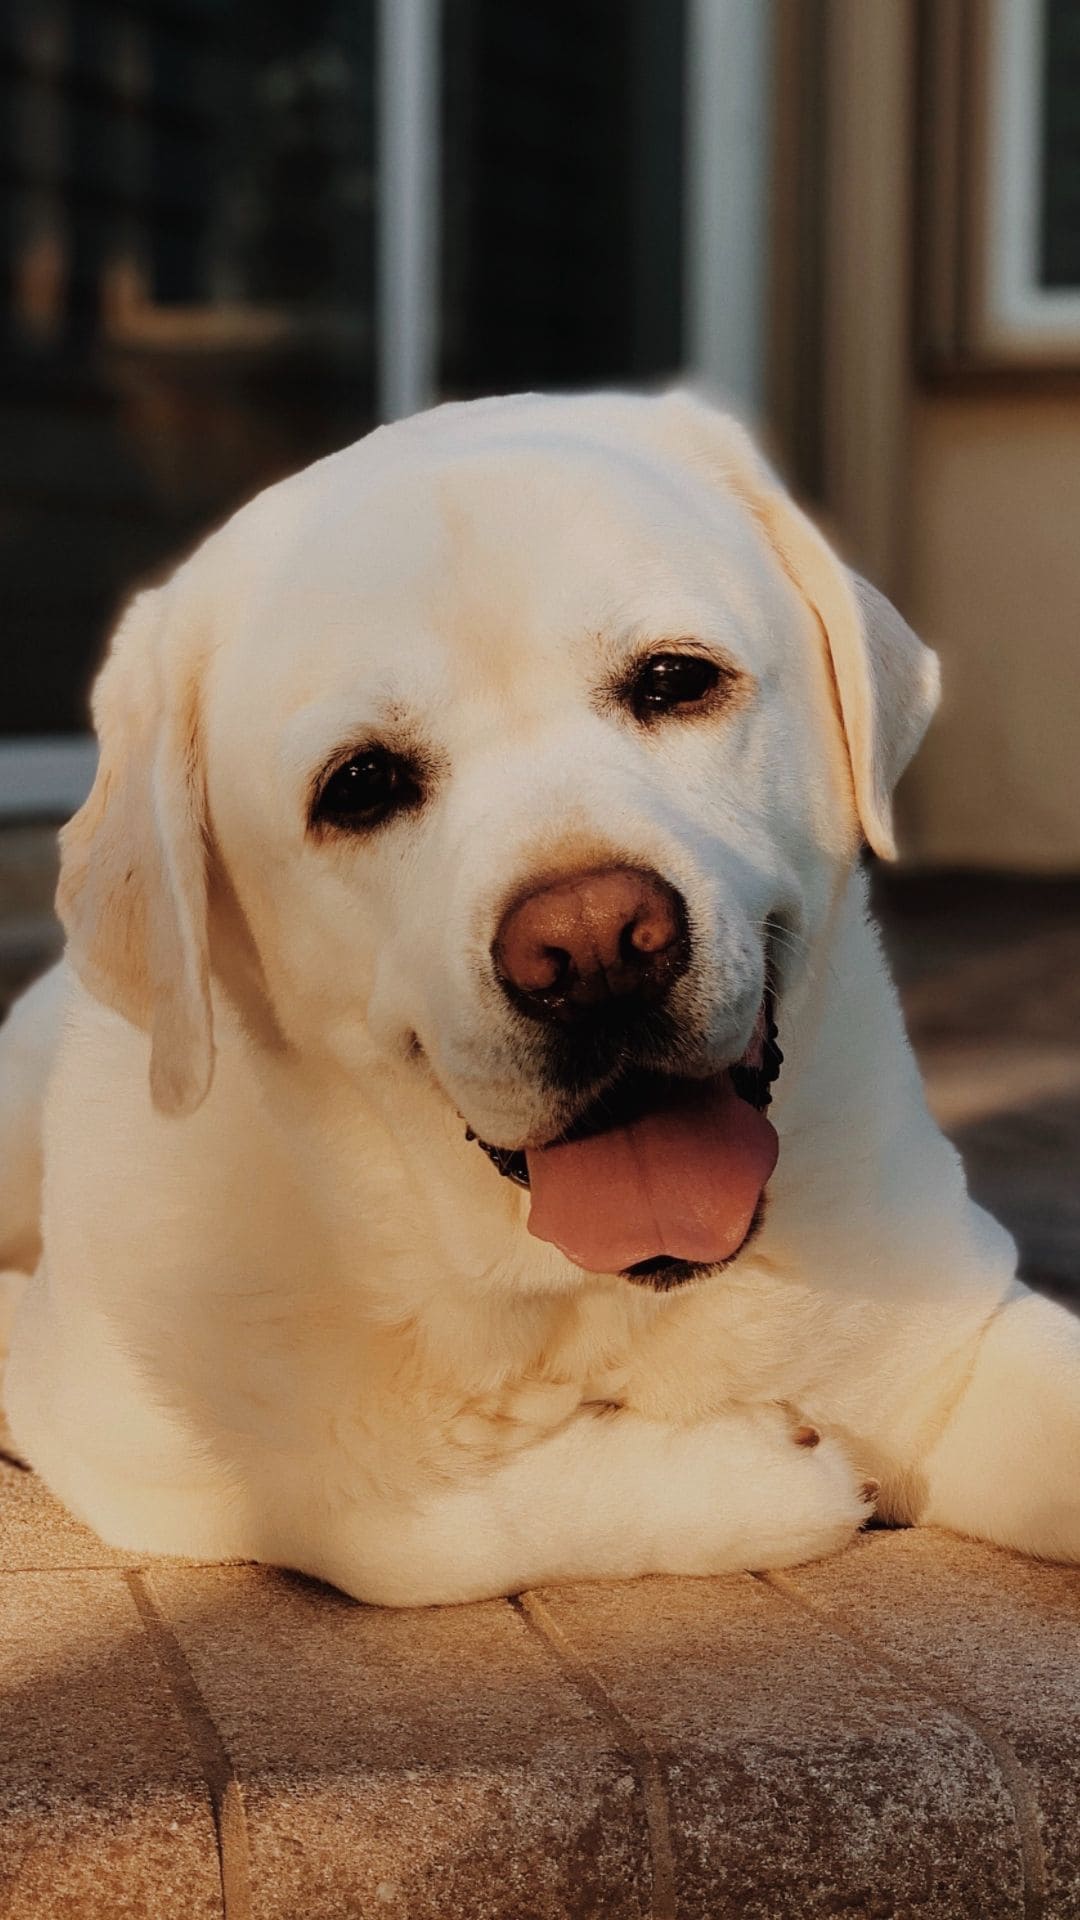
489	800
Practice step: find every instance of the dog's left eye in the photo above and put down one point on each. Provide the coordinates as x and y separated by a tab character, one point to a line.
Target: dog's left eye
365	790
668	681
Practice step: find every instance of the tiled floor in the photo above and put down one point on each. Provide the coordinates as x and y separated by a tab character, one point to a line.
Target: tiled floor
989	972
889	1732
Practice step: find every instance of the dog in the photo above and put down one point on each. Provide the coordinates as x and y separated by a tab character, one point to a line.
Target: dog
481	1146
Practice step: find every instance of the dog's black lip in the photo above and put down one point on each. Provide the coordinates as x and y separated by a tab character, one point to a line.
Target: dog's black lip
509	1161
635	1091
639	1091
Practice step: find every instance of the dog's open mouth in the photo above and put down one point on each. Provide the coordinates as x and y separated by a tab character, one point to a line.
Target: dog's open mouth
660	1178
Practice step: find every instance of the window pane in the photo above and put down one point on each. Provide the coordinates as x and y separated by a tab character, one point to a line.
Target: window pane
563	191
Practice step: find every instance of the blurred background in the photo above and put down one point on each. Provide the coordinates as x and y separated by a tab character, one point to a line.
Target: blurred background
238	233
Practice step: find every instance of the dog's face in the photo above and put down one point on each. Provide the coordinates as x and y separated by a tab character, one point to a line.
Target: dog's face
525	743
466	685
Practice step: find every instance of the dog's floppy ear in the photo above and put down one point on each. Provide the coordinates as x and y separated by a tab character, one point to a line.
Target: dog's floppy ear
887	682
133	876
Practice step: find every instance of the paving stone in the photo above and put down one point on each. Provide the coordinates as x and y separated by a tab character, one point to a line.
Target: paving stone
892	1732
996	1637
103	1807
802	1779
414	1766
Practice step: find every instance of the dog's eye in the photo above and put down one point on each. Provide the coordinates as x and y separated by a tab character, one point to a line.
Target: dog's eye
365	790
667	682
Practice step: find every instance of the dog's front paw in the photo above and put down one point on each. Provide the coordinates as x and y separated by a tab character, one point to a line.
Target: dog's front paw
791	1494
1007	1466
821	1503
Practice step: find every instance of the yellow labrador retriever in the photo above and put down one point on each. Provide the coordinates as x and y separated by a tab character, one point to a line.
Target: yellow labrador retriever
481	1146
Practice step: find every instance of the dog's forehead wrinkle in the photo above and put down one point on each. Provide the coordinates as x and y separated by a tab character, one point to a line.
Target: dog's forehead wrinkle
513	518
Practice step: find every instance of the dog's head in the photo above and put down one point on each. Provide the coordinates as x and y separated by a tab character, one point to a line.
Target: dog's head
526	742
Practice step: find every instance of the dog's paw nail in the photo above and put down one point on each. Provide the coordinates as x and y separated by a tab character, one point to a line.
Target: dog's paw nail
806	1436
871	1489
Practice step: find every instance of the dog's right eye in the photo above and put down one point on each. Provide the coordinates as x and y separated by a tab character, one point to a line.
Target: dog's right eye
365	790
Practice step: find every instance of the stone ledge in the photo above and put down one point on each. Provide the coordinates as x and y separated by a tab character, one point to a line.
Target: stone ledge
893	1732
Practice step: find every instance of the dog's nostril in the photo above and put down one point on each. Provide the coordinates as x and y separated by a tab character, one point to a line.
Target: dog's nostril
550	970
561	964
650	932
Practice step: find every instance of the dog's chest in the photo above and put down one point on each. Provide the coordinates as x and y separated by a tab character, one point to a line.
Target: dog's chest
677	1360
729	1342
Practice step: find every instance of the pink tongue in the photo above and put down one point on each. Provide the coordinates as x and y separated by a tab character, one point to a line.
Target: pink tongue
683	1181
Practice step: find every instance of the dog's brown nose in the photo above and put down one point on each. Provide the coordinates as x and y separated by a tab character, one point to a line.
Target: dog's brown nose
590	938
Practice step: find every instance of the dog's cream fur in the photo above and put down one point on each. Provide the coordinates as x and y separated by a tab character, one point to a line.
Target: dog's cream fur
285	1310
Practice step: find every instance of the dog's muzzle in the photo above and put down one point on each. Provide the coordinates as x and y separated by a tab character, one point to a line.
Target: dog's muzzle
658	1172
